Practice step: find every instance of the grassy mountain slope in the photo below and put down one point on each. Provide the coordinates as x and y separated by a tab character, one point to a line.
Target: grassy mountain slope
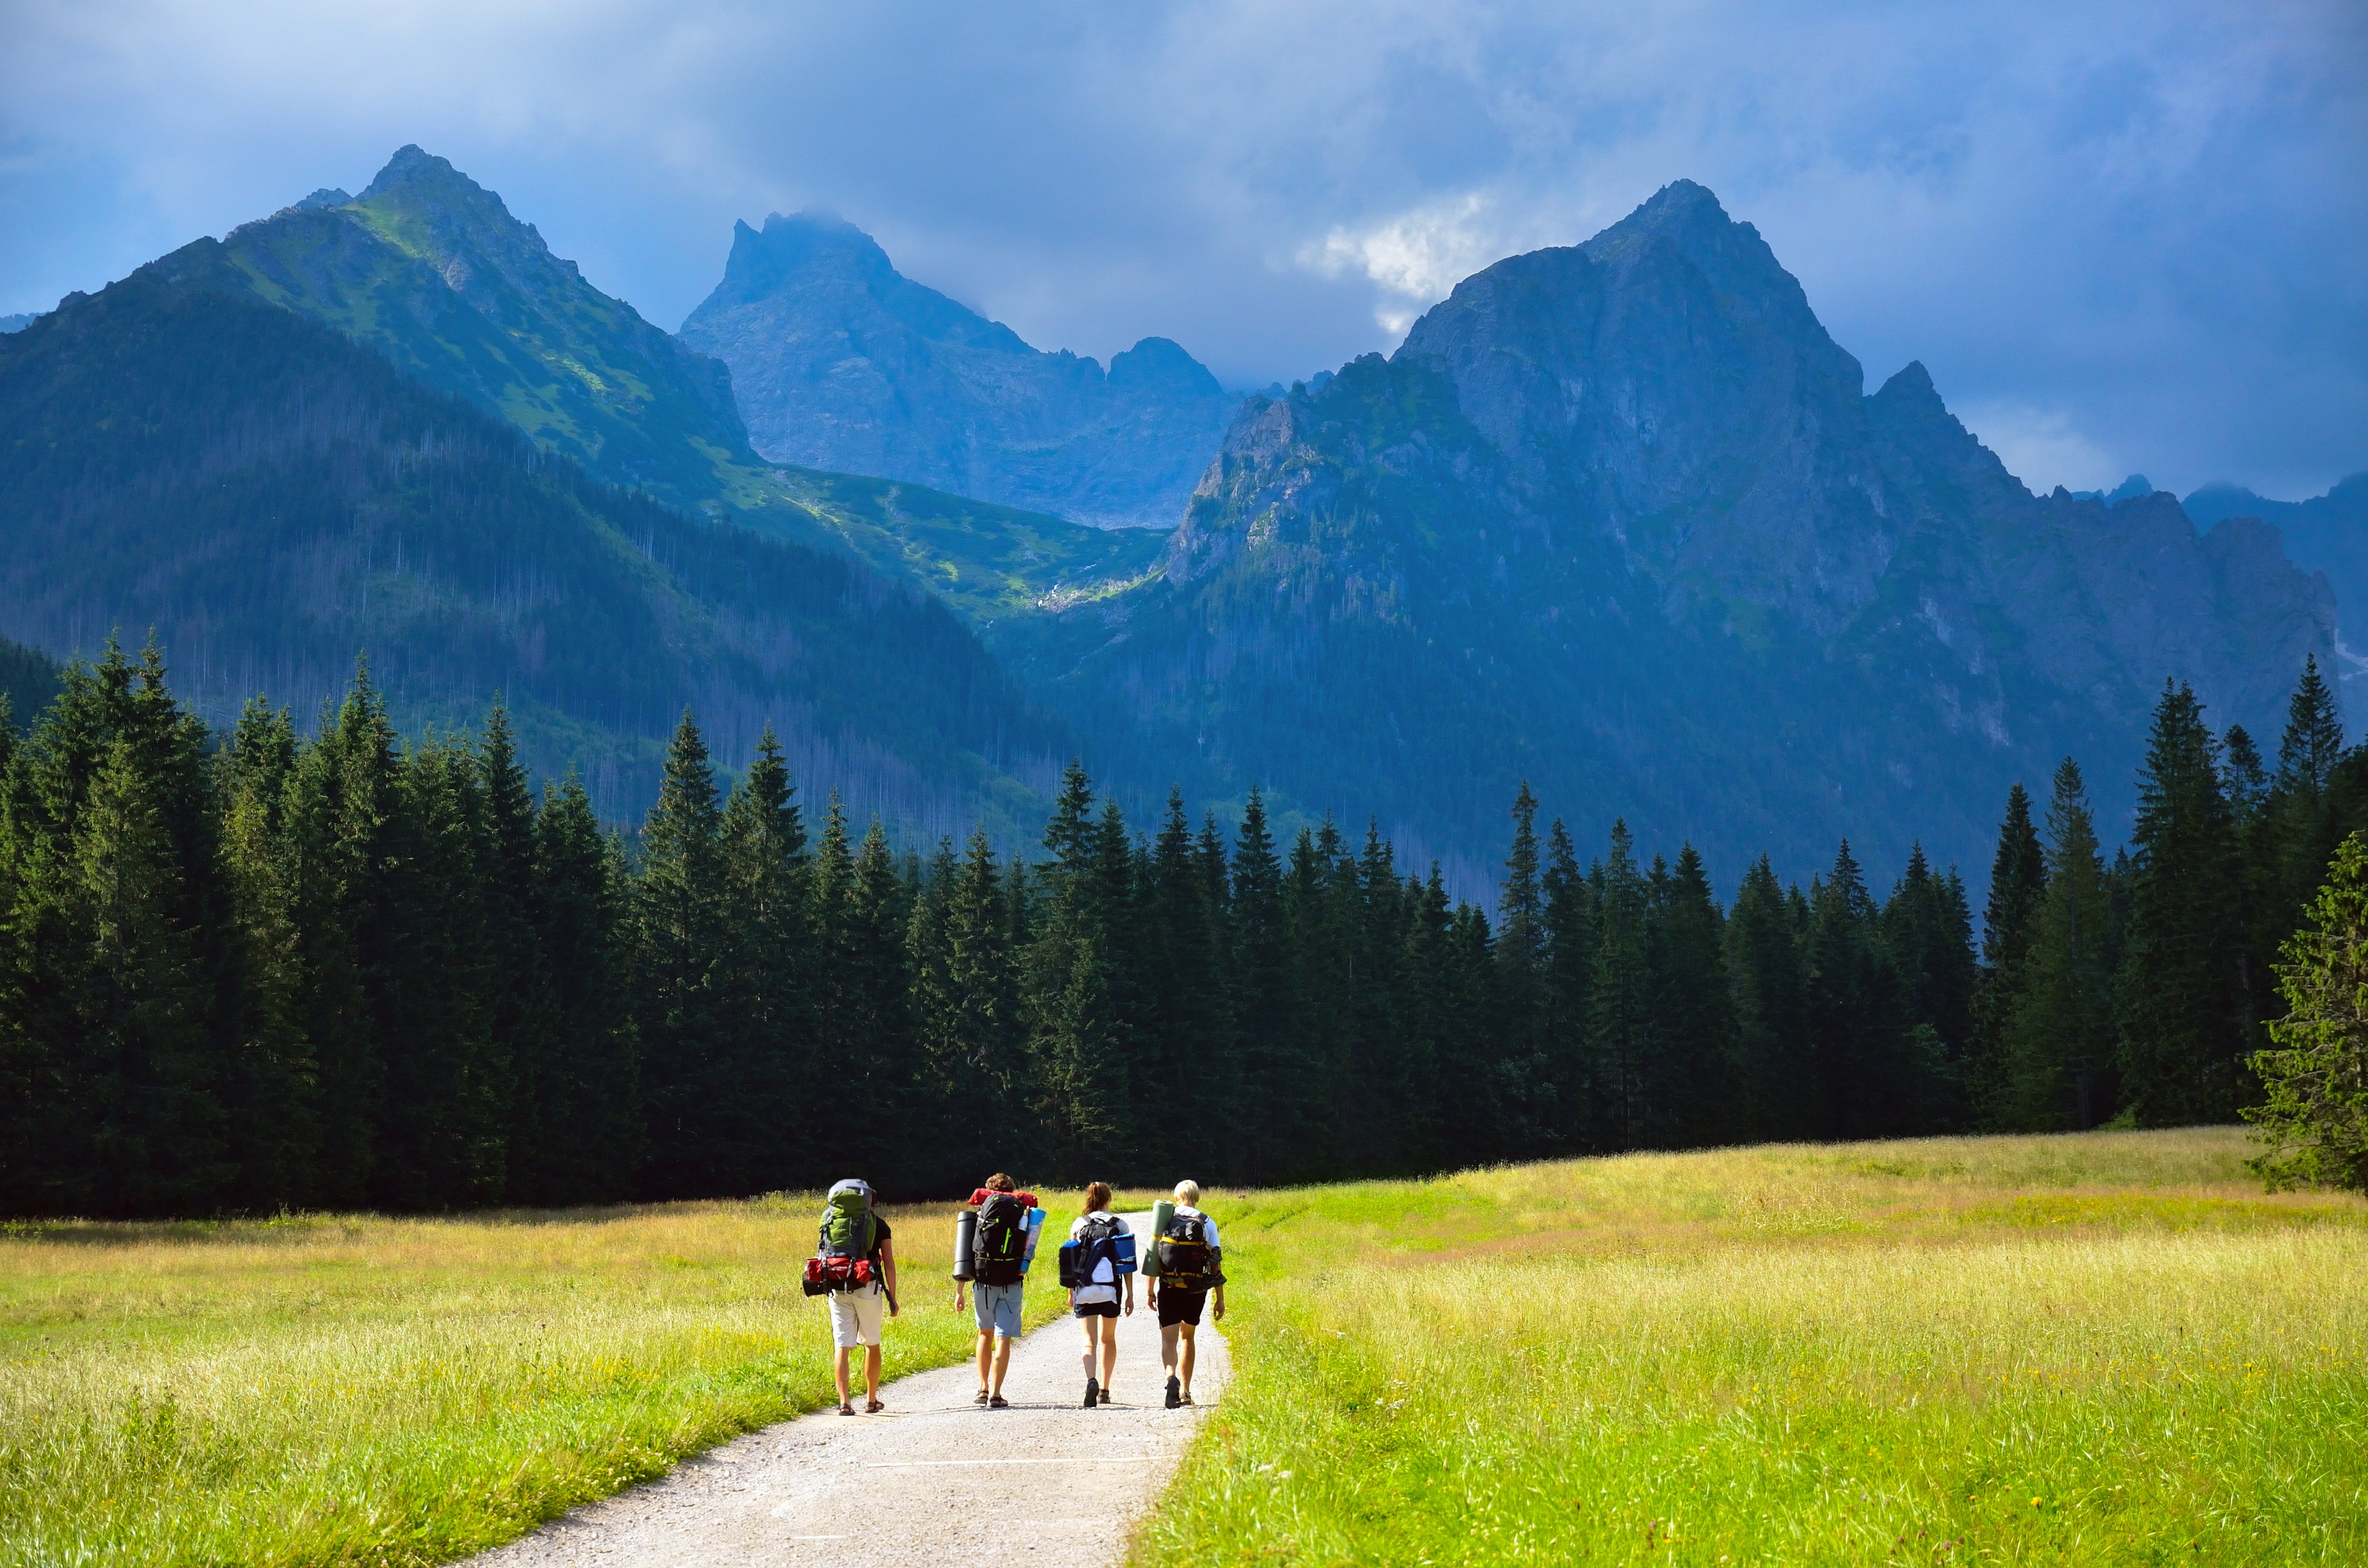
272	498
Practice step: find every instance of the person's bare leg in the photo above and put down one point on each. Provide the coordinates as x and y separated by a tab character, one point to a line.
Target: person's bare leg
1184	1369
871	1373
842	1377
1002	1362
1167	1348
986	1353
1109	1350
1092	1338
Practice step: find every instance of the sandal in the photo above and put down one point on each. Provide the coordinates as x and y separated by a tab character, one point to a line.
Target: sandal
873	1407
1186	1398
998	1402
846	1410
979	1398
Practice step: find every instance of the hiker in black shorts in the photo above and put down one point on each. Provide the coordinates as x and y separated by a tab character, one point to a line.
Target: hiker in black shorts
1096	1296
1186	1273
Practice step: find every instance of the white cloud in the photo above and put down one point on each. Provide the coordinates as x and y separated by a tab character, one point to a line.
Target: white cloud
1416	259
2041	447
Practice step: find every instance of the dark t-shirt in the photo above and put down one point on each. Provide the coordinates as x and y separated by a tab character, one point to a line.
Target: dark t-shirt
879	1238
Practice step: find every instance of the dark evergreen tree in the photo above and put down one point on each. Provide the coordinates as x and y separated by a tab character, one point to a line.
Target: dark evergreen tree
2017	876
1764	962
2059	1042
593	1126
2185	1017
679	916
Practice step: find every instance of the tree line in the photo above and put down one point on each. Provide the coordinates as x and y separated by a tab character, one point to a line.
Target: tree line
247	971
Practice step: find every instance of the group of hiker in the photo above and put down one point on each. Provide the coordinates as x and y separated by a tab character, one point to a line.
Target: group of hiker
995	1237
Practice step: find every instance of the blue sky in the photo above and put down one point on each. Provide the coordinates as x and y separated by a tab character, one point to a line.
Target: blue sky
2123	236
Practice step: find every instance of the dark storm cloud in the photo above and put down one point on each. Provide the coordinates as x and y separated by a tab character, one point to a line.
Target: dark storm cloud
2122	236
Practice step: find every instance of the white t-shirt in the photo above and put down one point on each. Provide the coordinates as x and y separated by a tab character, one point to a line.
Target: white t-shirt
1104	1284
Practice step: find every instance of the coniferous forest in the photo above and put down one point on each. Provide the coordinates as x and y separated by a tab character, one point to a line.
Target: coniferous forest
255	971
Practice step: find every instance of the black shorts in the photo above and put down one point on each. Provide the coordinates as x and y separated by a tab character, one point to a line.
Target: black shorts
1096	1309
1181	1306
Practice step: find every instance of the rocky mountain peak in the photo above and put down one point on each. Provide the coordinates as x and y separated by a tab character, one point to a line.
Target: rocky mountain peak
1161	364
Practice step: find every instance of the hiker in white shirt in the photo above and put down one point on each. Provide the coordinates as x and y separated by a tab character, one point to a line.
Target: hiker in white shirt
1177	1297
1095	1300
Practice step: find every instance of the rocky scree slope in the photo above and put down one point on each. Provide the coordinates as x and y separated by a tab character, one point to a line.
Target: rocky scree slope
1619	518
840	362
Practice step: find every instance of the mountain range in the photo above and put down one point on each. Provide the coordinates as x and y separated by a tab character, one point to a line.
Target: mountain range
841	362
1619	519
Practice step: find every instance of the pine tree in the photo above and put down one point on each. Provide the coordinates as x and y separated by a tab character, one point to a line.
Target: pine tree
1771	1005
1621	1021
270	1084
2184	1014
1273	1129
2017	876
1693	1078
593	1123
2059	1042
521	1014
680	921
767	1045
1571	921
875	1061
2314	1115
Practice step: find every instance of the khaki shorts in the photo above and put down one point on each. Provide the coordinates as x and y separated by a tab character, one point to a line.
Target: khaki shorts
855	1316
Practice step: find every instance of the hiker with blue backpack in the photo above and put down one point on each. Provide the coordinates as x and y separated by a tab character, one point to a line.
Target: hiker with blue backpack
1186	1269
994	1244
855	1264
1097	1265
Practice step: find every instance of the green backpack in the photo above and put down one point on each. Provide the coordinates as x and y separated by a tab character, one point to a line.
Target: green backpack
848	1226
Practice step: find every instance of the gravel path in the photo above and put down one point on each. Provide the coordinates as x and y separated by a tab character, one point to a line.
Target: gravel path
934	1479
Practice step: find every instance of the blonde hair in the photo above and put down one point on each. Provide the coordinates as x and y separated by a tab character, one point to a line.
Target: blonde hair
1098	1196
1188	1193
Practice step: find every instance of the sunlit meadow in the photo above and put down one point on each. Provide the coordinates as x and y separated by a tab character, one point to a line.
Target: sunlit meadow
2103	1348
370	1391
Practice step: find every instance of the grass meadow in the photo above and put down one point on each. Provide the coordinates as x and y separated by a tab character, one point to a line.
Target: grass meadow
333	1389
2109	1348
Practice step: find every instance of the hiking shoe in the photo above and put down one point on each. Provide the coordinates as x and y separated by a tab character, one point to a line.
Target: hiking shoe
1173	1397
998	1402
1093	1393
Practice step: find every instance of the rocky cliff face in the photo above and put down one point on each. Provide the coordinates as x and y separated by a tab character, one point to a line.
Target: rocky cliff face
1621	518
840	362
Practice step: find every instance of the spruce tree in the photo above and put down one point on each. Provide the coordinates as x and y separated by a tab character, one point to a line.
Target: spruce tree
1272	1129
1693	1079
1764	962
1571	920
766	1049
521	1014
593	1124
1621	1025
2313	1114
2017	876
2184	1016
681	941
2059	1042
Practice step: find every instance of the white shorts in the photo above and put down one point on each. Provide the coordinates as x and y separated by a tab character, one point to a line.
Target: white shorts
855	1316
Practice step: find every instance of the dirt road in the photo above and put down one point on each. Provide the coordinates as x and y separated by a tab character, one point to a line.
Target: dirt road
935	1479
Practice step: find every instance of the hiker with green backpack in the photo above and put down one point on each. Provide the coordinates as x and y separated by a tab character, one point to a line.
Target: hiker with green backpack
855	1264
1185	1270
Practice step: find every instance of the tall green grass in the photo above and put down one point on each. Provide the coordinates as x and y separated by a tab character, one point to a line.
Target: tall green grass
2106	1348
367	1391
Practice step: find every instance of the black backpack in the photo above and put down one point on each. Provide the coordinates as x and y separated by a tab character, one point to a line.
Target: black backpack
1002	1243
1185	1262
1079	1258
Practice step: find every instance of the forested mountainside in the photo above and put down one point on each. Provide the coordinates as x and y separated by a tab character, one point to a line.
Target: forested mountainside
2326	533
430	269
29	679
841	362
1619	519
271	499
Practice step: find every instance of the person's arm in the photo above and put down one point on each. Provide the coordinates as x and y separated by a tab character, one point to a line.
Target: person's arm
1220	1302
888	1268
